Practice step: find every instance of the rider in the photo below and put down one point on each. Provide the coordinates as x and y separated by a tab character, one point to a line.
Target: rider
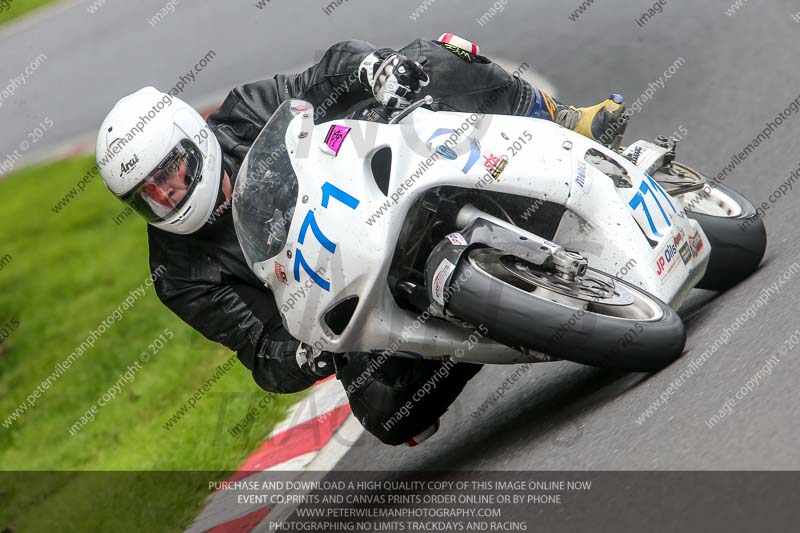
159	156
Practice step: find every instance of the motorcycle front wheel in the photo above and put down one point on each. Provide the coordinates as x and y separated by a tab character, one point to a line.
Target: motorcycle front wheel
596	320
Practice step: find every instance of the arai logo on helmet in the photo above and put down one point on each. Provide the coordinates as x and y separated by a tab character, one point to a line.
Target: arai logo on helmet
130	165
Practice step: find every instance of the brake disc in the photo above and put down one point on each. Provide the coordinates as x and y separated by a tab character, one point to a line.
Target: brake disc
588	288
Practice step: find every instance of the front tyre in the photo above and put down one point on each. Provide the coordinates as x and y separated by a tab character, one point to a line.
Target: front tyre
596	320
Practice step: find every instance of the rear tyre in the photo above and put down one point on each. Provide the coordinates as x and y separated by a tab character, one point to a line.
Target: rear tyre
735	232
597	320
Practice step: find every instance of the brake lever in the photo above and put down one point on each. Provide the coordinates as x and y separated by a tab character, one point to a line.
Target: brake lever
427	100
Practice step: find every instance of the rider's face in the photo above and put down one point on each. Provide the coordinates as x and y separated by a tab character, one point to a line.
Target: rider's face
169	187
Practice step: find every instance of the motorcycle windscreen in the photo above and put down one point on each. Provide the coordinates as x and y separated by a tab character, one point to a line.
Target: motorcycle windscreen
266	188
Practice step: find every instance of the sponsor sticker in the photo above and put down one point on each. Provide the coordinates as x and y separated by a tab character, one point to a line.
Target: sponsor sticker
679	238
440	277
665	264
457	239
335	138
643	155
446	152
686	253
494	165
280	271
643	161
696	243
463	54
454	138
583	179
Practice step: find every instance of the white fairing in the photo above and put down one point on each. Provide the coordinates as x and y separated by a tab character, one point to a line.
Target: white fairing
547	162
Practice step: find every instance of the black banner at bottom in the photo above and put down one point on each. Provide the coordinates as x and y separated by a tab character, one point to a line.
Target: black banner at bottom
433	501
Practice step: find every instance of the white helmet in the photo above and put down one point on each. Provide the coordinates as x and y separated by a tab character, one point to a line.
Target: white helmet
158	155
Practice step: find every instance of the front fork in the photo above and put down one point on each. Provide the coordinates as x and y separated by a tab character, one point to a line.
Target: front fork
483	229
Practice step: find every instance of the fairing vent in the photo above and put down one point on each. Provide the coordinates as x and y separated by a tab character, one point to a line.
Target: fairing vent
338	317
382	168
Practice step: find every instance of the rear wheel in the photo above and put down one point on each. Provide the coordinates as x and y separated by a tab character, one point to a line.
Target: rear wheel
596	320
735	232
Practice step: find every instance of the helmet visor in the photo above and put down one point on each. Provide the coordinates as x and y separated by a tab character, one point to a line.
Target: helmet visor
168	187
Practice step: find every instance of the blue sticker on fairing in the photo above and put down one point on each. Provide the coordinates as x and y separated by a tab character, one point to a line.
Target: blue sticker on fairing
474	147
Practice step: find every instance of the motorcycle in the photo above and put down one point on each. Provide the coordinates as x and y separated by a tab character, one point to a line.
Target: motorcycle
484	238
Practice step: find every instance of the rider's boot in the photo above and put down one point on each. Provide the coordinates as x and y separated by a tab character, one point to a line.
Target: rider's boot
605	122
425	435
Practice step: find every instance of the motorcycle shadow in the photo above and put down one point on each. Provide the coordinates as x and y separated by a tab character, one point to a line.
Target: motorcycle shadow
548	411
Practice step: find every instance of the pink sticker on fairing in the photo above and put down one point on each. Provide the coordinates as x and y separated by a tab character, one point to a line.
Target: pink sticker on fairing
335	138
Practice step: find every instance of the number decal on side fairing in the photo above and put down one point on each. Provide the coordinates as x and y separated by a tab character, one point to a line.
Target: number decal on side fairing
311	222
329	191
653	228
300	261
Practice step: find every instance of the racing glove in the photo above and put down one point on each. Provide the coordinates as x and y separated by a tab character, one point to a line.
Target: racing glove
393	78
318	364
300	362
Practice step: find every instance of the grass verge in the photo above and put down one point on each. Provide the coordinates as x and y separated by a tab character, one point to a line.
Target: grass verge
11	9
61	275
